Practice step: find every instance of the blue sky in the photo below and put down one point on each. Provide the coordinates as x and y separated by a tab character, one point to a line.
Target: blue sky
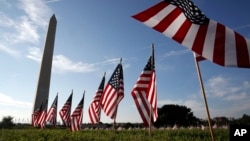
91	38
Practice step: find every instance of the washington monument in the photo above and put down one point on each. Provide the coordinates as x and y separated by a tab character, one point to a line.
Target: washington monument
43	84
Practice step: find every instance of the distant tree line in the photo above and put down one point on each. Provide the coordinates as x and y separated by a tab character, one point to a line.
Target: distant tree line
168	116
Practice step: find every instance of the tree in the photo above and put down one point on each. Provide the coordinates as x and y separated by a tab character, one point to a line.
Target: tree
7	122
169	115
245	120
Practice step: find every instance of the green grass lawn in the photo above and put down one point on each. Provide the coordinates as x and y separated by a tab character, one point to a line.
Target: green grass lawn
111	135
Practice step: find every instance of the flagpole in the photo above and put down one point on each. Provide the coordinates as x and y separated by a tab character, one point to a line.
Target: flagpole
204	97
83	97
99	100
117	91
150	110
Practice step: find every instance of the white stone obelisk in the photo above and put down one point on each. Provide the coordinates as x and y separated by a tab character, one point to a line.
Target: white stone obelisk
43	84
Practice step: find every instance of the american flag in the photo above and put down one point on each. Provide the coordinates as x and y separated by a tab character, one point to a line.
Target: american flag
76	117
113	93
41	119
66	110
184	22
52	113
39	116
145	95
35	116
95	106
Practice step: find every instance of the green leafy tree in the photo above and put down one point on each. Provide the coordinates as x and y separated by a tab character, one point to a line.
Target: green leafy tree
245	120
169	115
7	122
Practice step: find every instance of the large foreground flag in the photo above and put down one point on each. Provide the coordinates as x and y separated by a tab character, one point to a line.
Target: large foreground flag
113	93
76	117
184	22
52	113
66	110
144	93
95	106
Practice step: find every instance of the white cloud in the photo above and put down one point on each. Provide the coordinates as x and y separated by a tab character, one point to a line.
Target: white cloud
113	61
37	11
10	51
174	53
64	64
221	87
9	101
237	97
214	86
34	53
26	31
61	63
224	96
24	28
49	1
246	85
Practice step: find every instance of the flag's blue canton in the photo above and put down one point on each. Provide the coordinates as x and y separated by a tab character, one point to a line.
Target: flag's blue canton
117	75
149	64
191	11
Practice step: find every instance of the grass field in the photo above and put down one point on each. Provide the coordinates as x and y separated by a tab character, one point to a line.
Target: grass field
111	135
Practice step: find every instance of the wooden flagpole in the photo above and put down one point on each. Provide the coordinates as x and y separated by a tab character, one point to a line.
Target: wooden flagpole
204	97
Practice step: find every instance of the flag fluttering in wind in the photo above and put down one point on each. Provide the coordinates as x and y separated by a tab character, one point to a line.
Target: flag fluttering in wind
35	116
95	106
52	113
76	117
113	93
39	116
144	93
185	23
66	110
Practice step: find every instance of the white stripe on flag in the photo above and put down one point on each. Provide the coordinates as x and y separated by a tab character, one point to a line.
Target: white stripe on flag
189	38
153	21
230	53
175	26
208	49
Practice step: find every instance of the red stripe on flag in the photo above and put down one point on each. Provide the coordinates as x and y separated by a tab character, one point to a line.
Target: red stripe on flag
219	45
107	96
241	51
200	39
144	106
110	95
163	24
181	33
150	12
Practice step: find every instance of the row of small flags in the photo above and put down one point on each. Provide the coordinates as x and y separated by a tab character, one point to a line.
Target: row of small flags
106	98
74	121
183	22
